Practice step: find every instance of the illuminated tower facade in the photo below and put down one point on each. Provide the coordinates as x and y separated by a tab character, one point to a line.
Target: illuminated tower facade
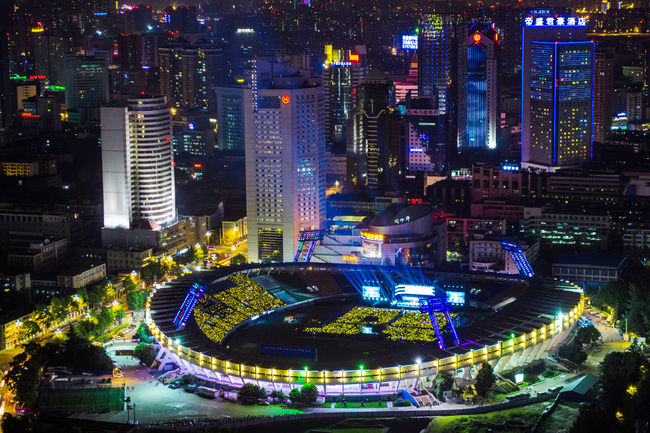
138	163
482	92
557	92
442	53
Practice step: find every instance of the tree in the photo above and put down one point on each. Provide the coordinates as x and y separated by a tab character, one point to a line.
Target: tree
143	332
146	353
29	329
239	259
135	300
119	313
638	311
294	395
614	294
444	381
573	353
15	424
21	378
129	284
42	316
587	334
279	394
58	308
308	393
485	379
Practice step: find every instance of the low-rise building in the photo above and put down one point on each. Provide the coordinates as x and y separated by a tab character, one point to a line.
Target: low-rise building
127	259
16	281
461	230
82	276
589	269
488	255
567	228
39	257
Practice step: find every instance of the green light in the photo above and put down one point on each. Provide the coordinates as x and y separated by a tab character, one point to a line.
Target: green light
512	335
361	367
417	30
57	87
306	368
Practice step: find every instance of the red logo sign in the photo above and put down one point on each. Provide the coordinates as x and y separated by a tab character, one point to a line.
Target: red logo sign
286	99
354	57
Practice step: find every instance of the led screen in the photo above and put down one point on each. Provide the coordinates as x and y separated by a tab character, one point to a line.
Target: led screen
366	330
456	298
370	292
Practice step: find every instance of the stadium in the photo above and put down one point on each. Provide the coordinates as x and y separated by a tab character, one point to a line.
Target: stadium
355	329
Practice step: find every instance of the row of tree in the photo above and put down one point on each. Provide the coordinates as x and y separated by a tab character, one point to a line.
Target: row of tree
628	299
250	393
73	350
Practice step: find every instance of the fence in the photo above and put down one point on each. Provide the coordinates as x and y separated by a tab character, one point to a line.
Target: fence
394	413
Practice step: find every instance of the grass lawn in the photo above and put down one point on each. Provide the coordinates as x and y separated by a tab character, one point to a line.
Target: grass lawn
357	404
83	399
496	421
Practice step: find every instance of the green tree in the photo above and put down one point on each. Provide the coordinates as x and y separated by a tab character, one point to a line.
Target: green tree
42	316
294	395
573	353
129	284
638	311
22	376
119	313
308	393
587	334
614	294
143	332
135	300
239	259
146	353
485	379
279	394
58	308
444	381
29	329
15	424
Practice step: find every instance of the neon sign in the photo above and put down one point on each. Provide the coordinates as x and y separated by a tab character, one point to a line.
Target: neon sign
555	21
354	58
372	236
477	37
285	99
341	64
409	42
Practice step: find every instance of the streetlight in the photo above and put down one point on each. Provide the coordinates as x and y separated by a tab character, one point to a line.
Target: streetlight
207	235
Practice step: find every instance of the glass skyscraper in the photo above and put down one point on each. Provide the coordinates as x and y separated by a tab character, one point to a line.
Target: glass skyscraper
481	90
442	52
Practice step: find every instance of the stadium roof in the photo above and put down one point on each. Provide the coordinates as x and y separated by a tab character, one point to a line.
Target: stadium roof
592	260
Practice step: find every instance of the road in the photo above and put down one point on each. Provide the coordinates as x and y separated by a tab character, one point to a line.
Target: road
222	251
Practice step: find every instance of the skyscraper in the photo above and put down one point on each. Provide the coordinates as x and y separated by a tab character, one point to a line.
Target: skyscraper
442	52
285	166
86	80
137	163
234	104
343	70
603	88
482	94
557	88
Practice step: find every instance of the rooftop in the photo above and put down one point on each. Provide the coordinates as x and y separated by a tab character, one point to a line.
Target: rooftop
587	259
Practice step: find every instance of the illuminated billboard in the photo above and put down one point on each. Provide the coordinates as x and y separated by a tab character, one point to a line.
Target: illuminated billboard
371	249
411	289
409	42
532	21
456	298
370	292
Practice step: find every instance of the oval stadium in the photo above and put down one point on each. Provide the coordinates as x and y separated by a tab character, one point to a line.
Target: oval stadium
352	329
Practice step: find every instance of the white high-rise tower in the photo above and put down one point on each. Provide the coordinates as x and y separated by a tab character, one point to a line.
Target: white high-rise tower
137	163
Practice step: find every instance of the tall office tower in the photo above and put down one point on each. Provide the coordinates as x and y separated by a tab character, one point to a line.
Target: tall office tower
234	104
442	52
181	19
411	83
369	144
628	103
138	163
171	73
137	50
425	136
86	81
49	51
285	166
201	74
6	115
557	84
482	93
189	75
603	88
342	71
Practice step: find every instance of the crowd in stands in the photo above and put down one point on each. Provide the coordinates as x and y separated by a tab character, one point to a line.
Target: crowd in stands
400	325
210	420
414	326
351	322
217	313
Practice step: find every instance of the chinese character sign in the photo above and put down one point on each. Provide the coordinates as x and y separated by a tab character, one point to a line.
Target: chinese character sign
409	42
555	21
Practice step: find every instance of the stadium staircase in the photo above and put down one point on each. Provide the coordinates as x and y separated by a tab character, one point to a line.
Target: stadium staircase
518	256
